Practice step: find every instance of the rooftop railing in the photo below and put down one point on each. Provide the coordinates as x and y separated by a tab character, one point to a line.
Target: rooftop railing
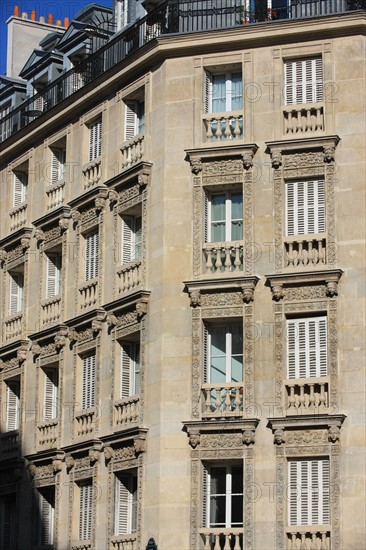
170	17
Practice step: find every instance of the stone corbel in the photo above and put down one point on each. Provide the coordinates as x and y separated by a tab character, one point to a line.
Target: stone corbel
141	308
36	349
194	439
94	456
57	466
76	216
3	256
113	196
32	469
97	324
109	453
73	335
143	179
248	293
331	288
100	200
276	158
248	160
22	352
25	242
334	434
277	292
70	462
329	153
111	320
63	223
195	297
196	165
60	338
248	437
279	437
39	236
139	446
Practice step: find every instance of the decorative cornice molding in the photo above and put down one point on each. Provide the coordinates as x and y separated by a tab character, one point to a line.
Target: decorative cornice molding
197	157
327	277
246	285
305	421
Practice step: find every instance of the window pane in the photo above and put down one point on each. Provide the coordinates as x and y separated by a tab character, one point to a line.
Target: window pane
237	369
218	481
217	510
218	93
237	510
237	339
237	92
218	369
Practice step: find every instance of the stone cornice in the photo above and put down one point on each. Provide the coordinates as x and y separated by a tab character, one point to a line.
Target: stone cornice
53	217
218	426
127	301
119	438
306	421
10	241
13	347
328	277
88	197
85	318
130	174
199	155
302	144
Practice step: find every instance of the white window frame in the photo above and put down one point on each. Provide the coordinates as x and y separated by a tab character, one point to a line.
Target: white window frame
16	292
58	159
306	347
228	220
91	255
227	329
85	510
51	390
131	238
12	405
229	494
95	139
305	207
134	118
130	369
303	80
125	503
53	274
20	188
46	520
309	491
88	381
228	99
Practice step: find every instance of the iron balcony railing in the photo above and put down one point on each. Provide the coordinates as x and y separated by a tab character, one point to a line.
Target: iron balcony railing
170	17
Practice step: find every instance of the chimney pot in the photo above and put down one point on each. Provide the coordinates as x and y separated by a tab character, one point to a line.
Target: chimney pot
50	19
59	23
42	19
24	15
33	15
66	22
16	11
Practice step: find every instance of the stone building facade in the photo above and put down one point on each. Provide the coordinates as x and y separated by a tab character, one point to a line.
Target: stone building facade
182	281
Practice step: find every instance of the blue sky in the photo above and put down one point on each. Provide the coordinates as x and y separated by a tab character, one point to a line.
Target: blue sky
59	9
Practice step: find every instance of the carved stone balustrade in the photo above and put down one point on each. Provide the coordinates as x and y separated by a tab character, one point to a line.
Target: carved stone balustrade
51	310
307	395
85	421
123	542
13	327
55	195
9	444
303	118
88	293
92	173
307	250
223	257
222	539
133	151
127	410
82	546
129	276
223	126
18	217
47	433
222	400
312	537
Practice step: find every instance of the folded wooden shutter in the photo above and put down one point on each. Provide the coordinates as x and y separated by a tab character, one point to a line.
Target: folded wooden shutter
121	505
85	514
57	165
307	347
131	119
16	292
12	405
92	256
47	520
304	81
305	207
95	140
309	492
88	396
53	274
51	394
19	188
127	238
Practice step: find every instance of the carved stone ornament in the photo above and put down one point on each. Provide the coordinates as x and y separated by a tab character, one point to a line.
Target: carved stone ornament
25	242
109	453
76	216
96	326
277	292
70	462
279	437
334	434
247	160
3	255
22	352
141	308
248	295
111	320
113	196
39	235
36	349
73	335
143	178
194	439
57	466
139	445
60	339
276	159
32	470
196	165
248	437
329	153
99	204
63	224
331	289
195	297
93	456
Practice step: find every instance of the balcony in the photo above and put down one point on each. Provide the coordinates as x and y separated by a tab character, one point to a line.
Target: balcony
123	542
51	310
305	251
85	545
126	411
88	293
303	119
217	538
223	257
129	277
314	537
47	434
223	126
133	151
92	172
13	327
55	195
307	396
222	400
85	422
9	445
18	217
170	17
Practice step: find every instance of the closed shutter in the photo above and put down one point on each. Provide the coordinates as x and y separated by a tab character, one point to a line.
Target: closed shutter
205	498
121	505
88	397
131	119
57	165
206	355
307	348
92	256
207	93
127	239
7	521
47	511
95	140
305	207
19	188
207	221
309	492
16	292
51	394
126	369
53	275
12	405
304	81
86	509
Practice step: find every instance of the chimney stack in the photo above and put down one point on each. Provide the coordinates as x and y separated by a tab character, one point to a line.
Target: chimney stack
33	15
50	19
16	11
66	22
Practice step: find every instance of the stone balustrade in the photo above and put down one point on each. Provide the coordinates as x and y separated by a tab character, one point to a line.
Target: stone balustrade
129	276
13	327
127	410
223	126
82	546
88	293
92	173
51	310
85	421
18	217
47	433
217	538
303	118
226	256
123	542
55	195
307	395
221	400
133	151
307	250
9	444
312	537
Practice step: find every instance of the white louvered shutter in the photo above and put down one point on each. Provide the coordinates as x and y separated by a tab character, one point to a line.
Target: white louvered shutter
305	207
121	505
206	355
86	509
206	221
136	369
304	81
126	369
88	397
208	93
19	188
50	394
7	521
127	238
95	140
47	520
309	492
205	498
131	119
137	237
92	256
12	405
307	348
53	275
16	293
57	165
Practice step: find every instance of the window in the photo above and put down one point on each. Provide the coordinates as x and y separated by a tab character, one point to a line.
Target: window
307	347
12	404
46	515
223	92
88	397
131	238
85	511
303	81
223	354
223	496
305	207
95	140
92	256
58	159
51	384
16	286
308	492
20	188
135	119
5	124
125	519
224	216
53	279
130	369
7	521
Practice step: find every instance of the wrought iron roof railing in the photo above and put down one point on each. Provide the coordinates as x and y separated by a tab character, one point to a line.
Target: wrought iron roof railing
170	17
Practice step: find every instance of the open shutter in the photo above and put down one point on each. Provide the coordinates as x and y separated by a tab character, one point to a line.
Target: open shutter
136	372
19	188
208	93
88	397
85	515
47	520
207	221
206	355
121	505
130	369
131	119
57	165
303	81
53	274
16	293
127	239
92	256
138	237
12	405
51	394
205	498
293	493
317	347
95	140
